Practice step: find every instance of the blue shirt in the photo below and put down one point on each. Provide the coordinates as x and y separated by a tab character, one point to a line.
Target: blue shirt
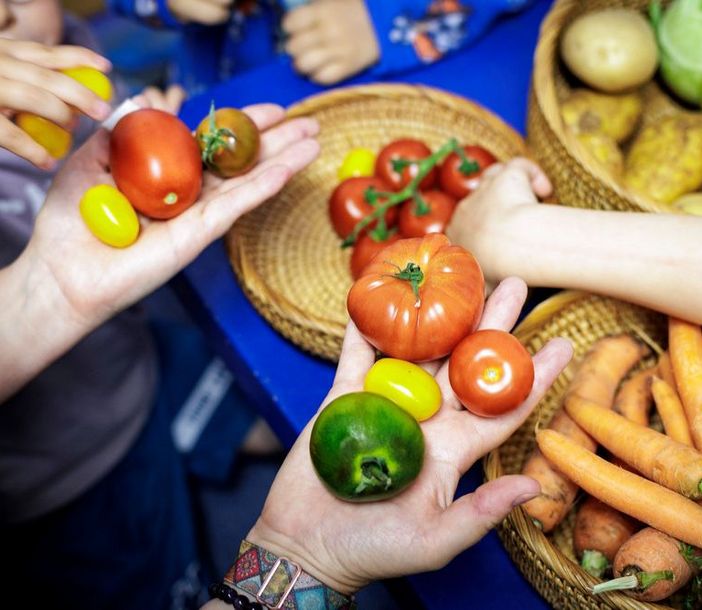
409	33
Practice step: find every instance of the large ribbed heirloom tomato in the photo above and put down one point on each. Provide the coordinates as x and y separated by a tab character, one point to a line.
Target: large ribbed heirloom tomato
418	300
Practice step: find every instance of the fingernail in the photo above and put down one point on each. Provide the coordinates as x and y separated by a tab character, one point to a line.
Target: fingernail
519	500
48	164
101	110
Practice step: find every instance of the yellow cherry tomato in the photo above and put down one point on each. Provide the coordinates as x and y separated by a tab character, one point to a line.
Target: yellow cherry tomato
358	162
49	135
407	385
109	216
93	79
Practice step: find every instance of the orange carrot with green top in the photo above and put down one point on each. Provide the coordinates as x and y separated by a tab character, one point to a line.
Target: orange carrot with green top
671	411
640	498
685	345
654	455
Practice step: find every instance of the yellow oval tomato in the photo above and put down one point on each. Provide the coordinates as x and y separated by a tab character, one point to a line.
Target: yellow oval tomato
407	385
55	139
358	162
93	79
109	216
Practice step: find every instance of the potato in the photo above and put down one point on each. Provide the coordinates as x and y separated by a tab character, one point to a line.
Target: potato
689	204
615	116
612	50
665	158
604	150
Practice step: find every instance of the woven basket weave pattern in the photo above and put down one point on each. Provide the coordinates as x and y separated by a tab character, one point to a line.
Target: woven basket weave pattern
549	563
285	253
579	181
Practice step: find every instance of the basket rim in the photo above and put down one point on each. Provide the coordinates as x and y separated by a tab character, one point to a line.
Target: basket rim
270	303
544	92
518	520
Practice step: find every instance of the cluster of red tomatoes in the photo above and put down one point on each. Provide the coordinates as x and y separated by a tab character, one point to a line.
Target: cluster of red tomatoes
157	166
369	182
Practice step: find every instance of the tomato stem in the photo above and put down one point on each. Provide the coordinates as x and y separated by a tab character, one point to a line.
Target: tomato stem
374	475
413	274
424	166
421	207
216	139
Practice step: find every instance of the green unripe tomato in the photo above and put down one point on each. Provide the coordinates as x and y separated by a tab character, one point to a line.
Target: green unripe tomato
364	447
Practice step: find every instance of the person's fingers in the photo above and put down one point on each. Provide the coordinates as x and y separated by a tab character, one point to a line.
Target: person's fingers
265	115
155	99
472	516
275	140
55	58
175	96
504	304
19	142
300	19
23	97
524	172
357	356
206	12
314	61
303	41
331	73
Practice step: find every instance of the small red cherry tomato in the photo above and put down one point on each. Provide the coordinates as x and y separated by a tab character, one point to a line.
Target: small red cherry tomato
155	162
457	183
440	207
407	150
491	372
365	249
348	204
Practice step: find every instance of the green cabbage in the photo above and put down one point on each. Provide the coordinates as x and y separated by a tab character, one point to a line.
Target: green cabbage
679	34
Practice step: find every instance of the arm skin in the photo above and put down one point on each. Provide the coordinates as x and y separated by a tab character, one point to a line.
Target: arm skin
653	260
66	282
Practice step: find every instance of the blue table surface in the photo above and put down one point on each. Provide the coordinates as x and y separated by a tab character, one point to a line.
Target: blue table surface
288	384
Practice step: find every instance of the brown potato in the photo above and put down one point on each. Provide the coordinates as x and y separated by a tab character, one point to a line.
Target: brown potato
612	50
604	150
615	116
665	158
691	203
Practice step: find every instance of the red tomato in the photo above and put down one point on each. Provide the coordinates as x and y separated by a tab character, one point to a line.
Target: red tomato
491	372
155	162
365	249
348	205
422	319
455	182
441	207
409	150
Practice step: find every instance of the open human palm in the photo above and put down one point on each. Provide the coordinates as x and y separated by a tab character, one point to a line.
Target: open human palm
347	545
97	280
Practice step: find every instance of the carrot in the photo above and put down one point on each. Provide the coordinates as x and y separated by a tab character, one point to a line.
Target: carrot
598	533
665	370
597	378
654	455
640	498
650	566
685	344
633	399
671	411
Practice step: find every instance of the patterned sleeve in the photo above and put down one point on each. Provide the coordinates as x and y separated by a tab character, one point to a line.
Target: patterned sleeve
151	12
415	32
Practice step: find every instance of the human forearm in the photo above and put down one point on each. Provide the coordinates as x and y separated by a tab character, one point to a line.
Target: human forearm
650	259
36	323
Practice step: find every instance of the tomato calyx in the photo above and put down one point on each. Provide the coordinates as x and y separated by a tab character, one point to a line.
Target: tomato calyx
413	274
375	475
424	166
467	166
216	139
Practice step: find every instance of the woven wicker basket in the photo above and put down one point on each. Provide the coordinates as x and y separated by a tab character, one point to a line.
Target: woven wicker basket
285	253
549	562
578	179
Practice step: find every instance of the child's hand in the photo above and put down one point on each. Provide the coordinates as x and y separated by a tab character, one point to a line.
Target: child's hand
331	40
30	82
205	12
483	221
169	100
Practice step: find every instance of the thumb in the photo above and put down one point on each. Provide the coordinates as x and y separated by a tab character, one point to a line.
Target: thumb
472	516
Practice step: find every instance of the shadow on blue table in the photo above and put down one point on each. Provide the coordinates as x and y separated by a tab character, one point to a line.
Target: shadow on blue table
494	72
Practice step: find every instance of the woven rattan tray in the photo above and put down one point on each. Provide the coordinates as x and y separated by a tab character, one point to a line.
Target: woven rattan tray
285	253
578	179
549	563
